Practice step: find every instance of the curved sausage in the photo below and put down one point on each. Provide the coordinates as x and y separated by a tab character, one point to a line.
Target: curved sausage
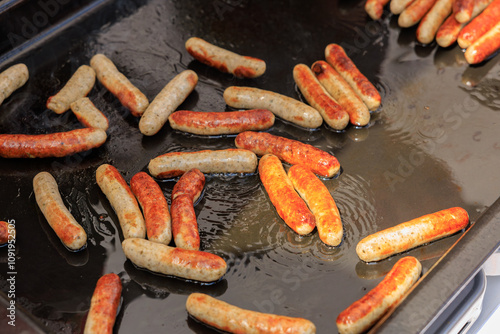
282	106
104	305
342	92
414	12
484	47
78	86
290	207
224	60
122	200
118	84
375	8
462	10
336	56
232	319
397	6
431	22
11	79
7	232
154	206
365	312
207	161
480	25
166	260
291	151
167	100
88	114
220	123
191	184
320	202
332	112
408	235
49	201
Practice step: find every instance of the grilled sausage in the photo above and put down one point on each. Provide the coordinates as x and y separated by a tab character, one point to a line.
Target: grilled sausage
282	106
336	56
49	201
416	232
291	151
184	226
342	92
104	305
414	12
397	6
11	79
484	47
167	100
207	161
118	84
220	123
7	232
375	8
88	114
431	22
290	207
320	202
332	112
462	10
224	60
122	200
232	319
78	86
154	206
480	25
365	312
166	260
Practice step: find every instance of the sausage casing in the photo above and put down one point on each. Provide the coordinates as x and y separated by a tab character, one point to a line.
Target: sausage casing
484	47
118	84
207	161
480	25
411	234
431	22
7	232
225	60
154	206
282	106
11	79
219	123
104	305
365	312
88	114
320	202
167	100
233	319
122	200
78	86
184	263
375	8
462	10
414	12
63	223
397	6
291	151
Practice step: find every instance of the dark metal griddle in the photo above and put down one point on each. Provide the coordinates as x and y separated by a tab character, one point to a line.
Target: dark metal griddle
434	144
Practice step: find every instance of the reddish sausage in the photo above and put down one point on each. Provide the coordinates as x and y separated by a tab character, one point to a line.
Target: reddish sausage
462	10
484	47
480	25
375	8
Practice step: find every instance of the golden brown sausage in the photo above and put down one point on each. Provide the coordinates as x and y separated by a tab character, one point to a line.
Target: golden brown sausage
397	6
11	79
431	22
462	10
375	8
414	12
88	114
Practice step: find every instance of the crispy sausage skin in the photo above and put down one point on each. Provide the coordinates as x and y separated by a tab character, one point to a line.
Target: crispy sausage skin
414	12
282	106
220	123
11	79
167	100
88	114
57	144
166	260
320	202
290	207
49	201
397	6
365	312
78	86
484	47
291	151
462	10
224	60
332	112
431	22
122	200
408	235
129	95
375	8
154	206
232	319
342	92
7	232
336	56
184	226
104	305
480	25
207	161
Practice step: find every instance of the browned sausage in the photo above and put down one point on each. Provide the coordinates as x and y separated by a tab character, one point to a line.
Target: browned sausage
480	25
414	12
432	21
11	79
484	47
462	10
7	232
375	8
88	114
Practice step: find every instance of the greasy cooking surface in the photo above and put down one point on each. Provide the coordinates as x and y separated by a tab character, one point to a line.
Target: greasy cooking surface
432	145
